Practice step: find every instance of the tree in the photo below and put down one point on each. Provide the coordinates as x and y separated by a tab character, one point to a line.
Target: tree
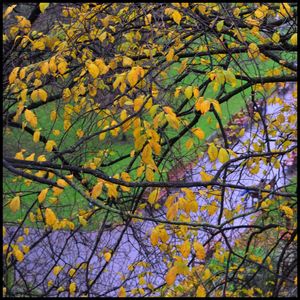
147	149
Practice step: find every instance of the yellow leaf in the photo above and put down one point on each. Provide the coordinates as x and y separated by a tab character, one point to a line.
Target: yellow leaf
36	136
212	152
204	106
154	237
44	67
41	158
107	256
132	76
42	195
199	249
62	67
72	272
39	45
223	156
148	19
199	133
171	275
30	157
13	75
93	70
206	275
230	78
285	9
137	104
23	95
147	155
82	221
8	10
189	144
149	174
127	62
185	249
25	248
50	217
56	270
170	54
97	190
201	291
163	235
176	17
242	132
153	197
139	142
172	212
30	117
188	92
26	231
52	65
62	183
72	288
103	68
43	6
18	254
287	210
53	115
253	50
80	133
49	145
220	25
259	13
276	37
122	292
14	204
173	121
293	39
212	209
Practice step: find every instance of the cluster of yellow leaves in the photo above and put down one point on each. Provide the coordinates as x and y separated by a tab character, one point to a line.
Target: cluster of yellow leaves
157	234
97	68
174	14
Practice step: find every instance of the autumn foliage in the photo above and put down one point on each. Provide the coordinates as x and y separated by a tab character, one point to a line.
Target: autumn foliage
149	149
